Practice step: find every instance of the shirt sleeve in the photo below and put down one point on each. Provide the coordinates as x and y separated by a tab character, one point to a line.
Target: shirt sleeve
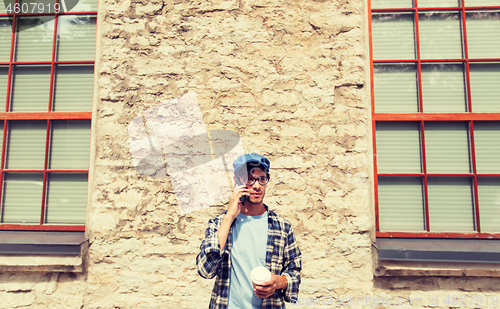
293	265
209	259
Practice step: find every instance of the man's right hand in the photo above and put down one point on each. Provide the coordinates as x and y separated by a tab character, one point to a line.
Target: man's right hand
234	208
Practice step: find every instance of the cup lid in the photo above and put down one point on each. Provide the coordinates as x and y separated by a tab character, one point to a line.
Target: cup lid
260	275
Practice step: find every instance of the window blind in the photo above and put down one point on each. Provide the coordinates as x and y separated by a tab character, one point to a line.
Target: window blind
73	88
34	31
487	144
483	33
76	37
489	202
440	36
22	194
485	87
382	4
26	145
31	88
66	198
398	147
447	147
401	204
450	204
395	88
4	77
392	36
443	88
5	36
70	144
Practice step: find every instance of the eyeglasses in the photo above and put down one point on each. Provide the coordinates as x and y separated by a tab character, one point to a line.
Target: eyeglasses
263	180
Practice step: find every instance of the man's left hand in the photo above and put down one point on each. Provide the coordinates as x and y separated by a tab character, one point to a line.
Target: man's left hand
267	288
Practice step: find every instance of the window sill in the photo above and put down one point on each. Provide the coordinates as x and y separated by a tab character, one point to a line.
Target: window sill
437	257
22	251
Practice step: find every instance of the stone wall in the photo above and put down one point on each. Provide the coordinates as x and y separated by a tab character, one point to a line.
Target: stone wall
291	77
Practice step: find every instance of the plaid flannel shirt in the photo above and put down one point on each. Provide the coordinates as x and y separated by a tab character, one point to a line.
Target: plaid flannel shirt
283	257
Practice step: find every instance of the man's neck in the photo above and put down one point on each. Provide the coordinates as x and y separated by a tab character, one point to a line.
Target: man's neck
250	209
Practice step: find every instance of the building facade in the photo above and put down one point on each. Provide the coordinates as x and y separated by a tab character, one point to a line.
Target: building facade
381	120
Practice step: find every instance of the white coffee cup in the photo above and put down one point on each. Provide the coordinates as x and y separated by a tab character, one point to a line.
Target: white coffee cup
260	275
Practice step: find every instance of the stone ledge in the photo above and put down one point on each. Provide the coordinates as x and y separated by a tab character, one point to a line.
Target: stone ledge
443	269
35	263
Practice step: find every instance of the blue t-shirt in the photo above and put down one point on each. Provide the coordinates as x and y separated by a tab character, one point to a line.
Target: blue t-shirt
247	252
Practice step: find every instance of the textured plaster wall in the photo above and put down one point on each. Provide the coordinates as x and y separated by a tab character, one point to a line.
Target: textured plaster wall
291	78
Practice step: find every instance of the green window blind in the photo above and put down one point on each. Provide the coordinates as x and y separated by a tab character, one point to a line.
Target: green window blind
34	38
383	4
5	36
31	88
398	147
401	205
4	78
443	88
489	203
483	33
487	144
392	36
22	195
70	144
481	3
66	198
85	6
485	87
447	147
76	38
440	36
450	204
6	3
73	88
437	3
26	144
395	88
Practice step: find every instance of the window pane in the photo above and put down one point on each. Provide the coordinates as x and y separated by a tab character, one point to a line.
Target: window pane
85	6
73	88
5	38
382	4
34	38
489	203
485	87
22	198
26	144
70	144
6	3
443	88
483	34
437	3
450	204
392	36
76	38
398	147
4	78
31	89
447	147
395	88
481	2
400	204
440	36
487	143
66	198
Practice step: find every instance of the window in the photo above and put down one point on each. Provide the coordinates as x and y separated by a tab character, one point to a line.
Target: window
436	117
46	82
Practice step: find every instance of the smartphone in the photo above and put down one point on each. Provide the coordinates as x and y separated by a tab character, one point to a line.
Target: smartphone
244	197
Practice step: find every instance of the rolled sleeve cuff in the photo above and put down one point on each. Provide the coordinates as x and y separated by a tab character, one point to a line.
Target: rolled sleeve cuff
290	294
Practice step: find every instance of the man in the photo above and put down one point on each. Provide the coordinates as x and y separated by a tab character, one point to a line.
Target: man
248	235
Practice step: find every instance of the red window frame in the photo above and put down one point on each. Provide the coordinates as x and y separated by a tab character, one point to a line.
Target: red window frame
48	116
423	117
